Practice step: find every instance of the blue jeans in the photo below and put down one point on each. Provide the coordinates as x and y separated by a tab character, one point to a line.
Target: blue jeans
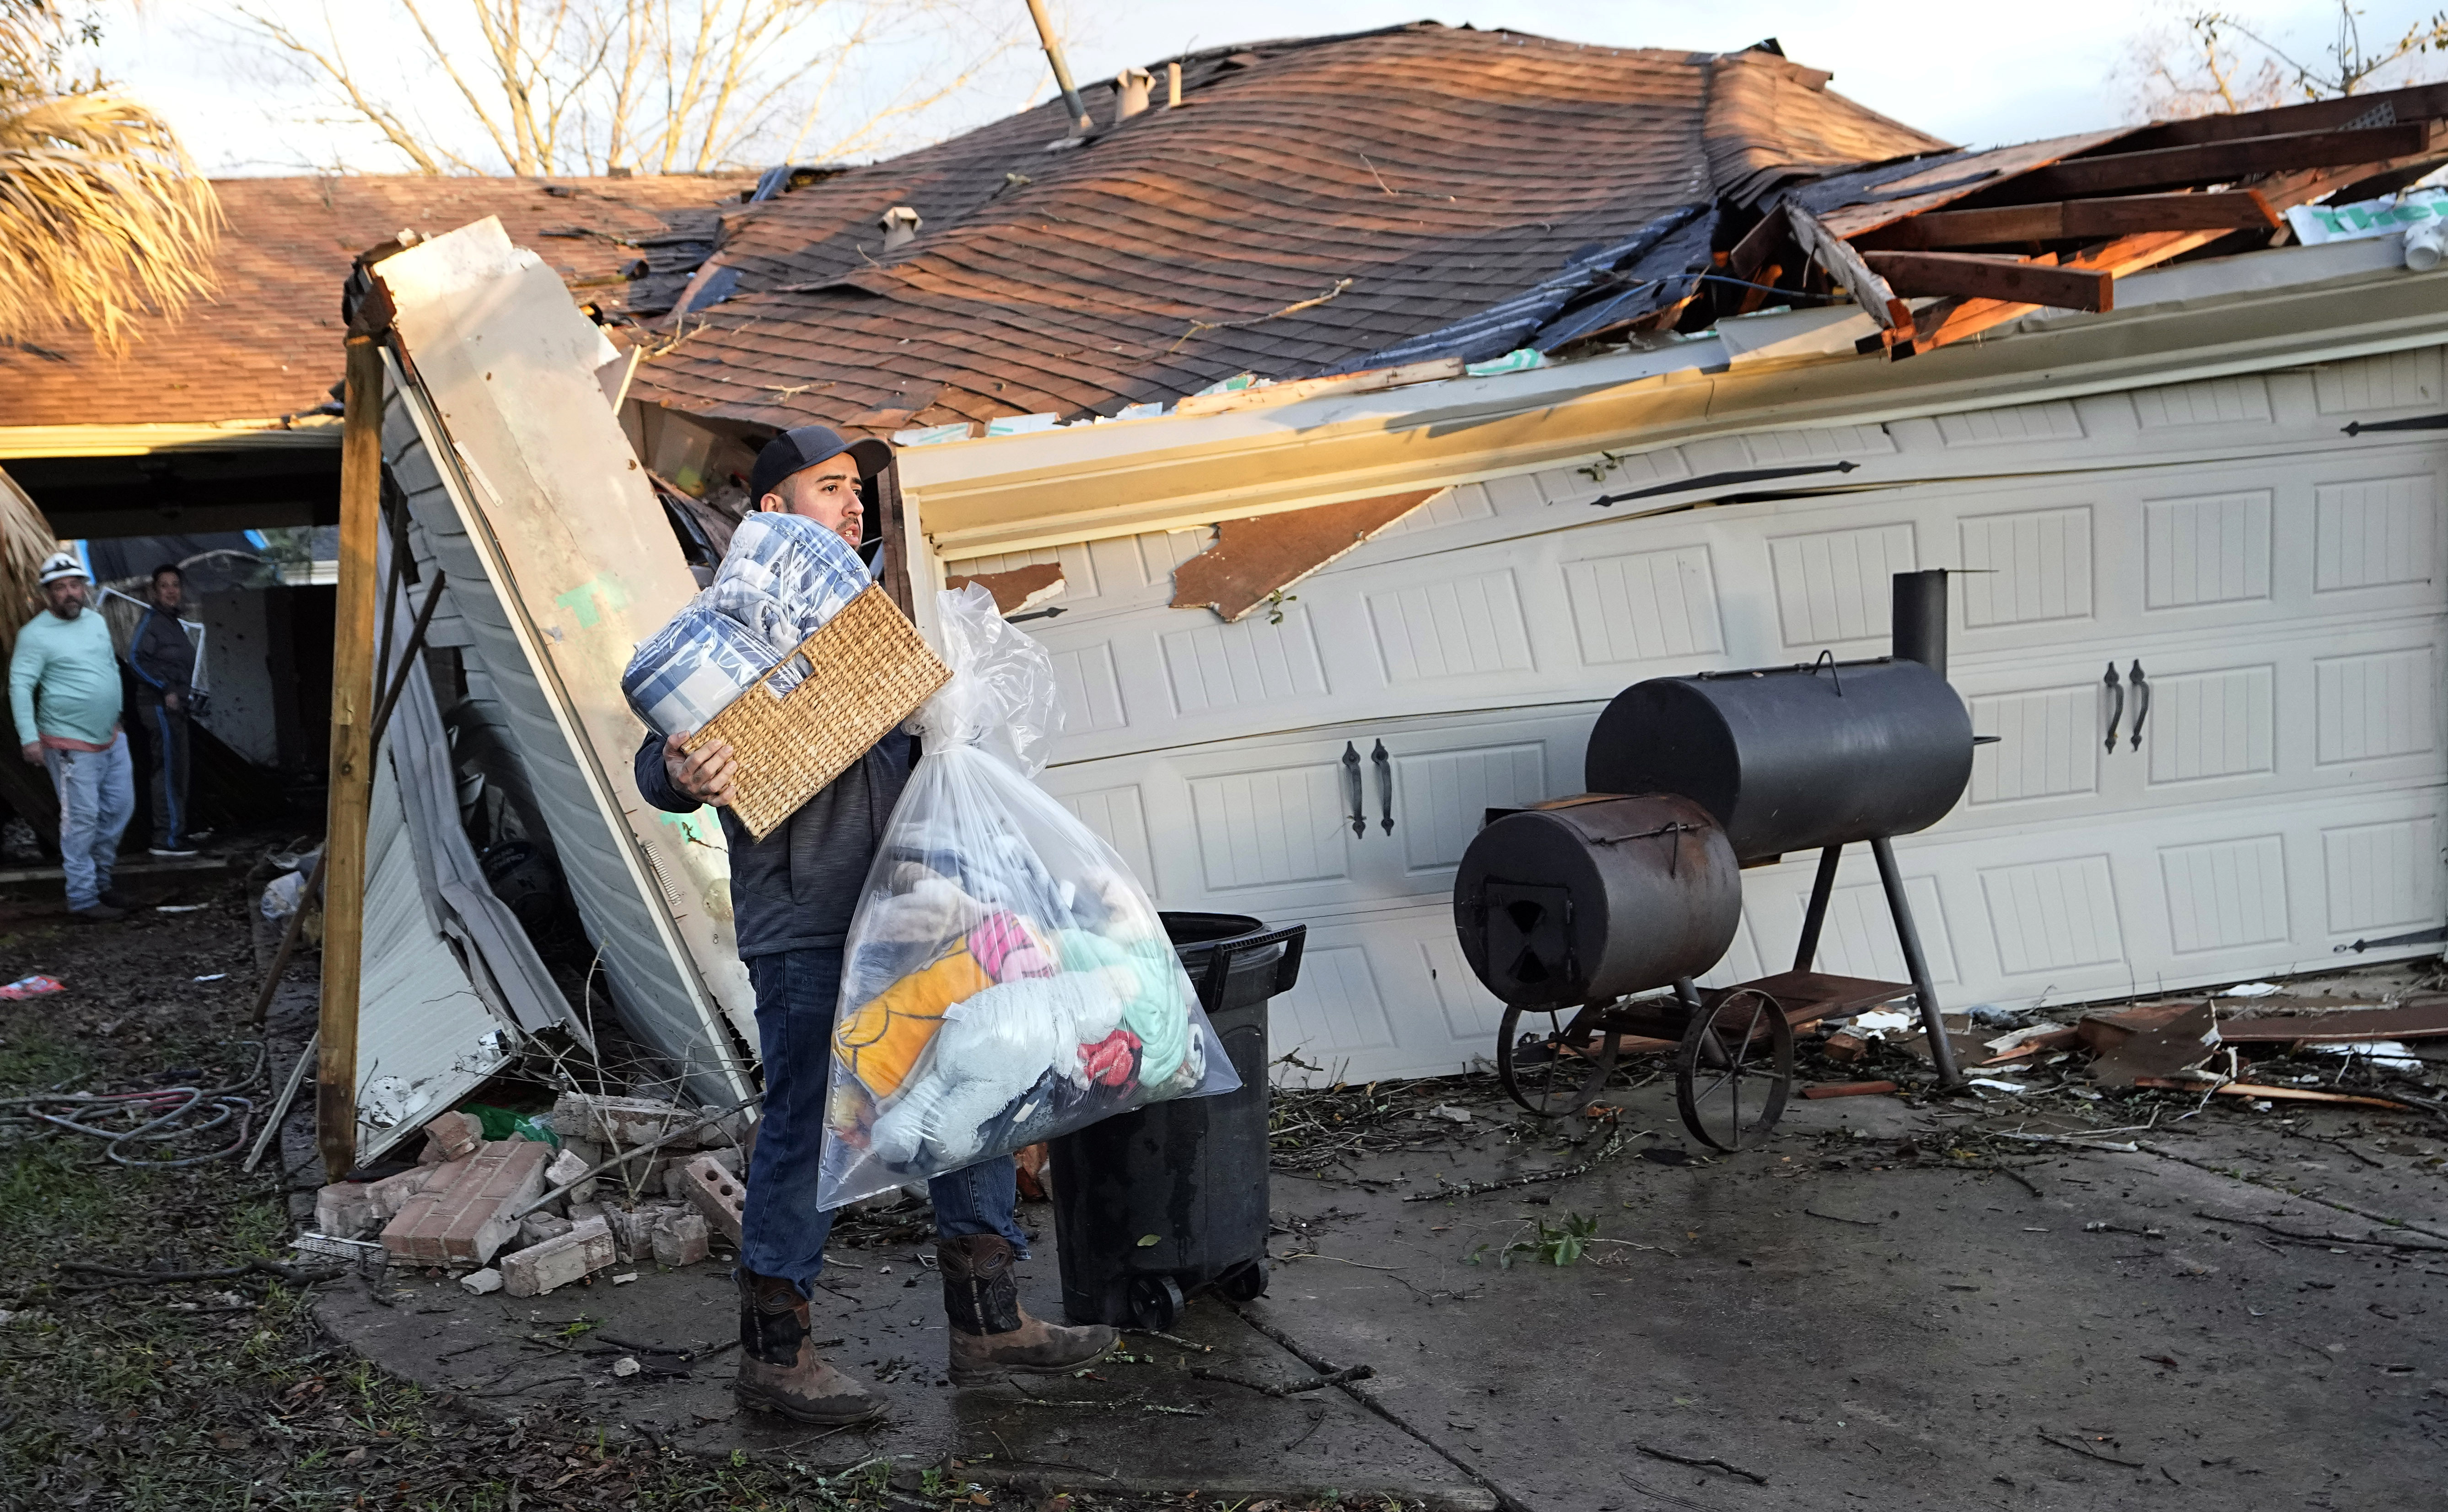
97	792
783	1230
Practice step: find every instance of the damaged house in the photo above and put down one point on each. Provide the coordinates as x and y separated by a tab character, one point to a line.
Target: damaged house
1378	411
1349	461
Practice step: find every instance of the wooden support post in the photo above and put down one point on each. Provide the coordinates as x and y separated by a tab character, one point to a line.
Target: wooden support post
353	770
899	581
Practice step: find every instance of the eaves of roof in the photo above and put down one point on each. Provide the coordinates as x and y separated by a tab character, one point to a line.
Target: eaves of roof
1116	478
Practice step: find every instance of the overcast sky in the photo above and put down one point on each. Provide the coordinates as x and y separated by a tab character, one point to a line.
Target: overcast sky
1934	65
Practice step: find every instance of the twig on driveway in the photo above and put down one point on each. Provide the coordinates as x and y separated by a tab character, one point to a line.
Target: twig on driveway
1711	1463
2083	1448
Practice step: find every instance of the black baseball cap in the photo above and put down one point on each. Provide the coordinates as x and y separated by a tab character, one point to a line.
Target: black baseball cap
803	446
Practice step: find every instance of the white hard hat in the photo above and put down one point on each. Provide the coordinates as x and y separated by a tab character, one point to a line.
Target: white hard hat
61	564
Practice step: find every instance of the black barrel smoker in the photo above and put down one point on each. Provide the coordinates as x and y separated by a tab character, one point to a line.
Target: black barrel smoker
1571	910
1170	1199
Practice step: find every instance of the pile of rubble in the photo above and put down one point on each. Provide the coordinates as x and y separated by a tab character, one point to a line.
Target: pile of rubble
517	1216
2257	1043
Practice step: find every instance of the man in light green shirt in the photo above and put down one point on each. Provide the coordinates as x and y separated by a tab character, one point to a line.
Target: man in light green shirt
64	690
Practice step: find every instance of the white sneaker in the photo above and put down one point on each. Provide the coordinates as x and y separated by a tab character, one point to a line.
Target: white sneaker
163	850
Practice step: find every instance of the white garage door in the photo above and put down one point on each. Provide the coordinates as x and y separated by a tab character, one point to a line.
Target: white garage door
2279	584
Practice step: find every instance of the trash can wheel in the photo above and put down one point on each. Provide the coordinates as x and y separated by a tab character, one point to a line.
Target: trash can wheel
1154	1302
1246	1282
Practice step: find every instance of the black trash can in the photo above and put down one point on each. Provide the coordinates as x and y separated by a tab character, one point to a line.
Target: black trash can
1156	1203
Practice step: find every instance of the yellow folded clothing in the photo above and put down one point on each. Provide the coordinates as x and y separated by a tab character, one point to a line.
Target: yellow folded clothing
883	1038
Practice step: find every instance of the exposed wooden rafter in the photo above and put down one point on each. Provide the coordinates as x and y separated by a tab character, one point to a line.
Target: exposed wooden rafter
1893	316
1946	323
2223	161
2421	103
2066	219
2008	279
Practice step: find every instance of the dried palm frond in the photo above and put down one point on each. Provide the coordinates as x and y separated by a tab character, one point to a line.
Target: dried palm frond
103	220
25	539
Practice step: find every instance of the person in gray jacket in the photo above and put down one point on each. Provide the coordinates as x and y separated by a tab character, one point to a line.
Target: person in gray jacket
163	660
793	894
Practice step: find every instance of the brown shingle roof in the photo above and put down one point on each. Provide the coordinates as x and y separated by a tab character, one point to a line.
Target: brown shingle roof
1438	170
269	343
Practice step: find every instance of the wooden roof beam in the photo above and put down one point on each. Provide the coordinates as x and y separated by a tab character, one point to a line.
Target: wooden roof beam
2222	161
1893	318
2006	279
2422	103
2083	219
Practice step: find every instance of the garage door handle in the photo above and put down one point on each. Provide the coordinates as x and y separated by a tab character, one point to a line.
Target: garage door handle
1384	764
2115	706
1354	798
2141	703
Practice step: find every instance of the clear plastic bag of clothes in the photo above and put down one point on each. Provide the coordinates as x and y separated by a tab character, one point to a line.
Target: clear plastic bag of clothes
1006	978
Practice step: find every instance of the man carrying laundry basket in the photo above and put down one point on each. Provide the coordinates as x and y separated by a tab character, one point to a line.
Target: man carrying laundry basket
793	895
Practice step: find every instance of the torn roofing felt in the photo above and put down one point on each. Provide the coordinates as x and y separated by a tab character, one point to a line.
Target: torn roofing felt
1312	201
1657	268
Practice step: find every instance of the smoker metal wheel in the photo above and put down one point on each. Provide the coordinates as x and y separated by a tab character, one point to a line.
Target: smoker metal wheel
1552	1064
1738	1050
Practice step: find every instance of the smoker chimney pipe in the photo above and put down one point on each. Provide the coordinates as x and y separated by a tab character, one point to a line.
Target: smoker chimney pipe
1917	628
1079	121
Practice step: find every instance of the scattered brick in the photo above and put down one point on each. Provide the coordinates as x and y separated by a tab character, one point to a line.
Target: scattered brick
1845	1048
633	1229
482	1282
465	1220
453	1137
682	1239
627	1122
346	1210
391	1193
572	1256
717	1194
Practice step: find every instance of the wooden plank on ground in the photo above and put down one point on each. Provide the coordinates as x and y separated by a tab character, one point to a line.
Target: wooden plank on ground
1980	278
2060	220
2223	161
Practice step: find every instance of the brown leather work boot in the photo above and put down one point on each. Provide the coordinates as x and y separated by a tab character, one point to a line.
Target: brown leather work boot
778	1368
992	1339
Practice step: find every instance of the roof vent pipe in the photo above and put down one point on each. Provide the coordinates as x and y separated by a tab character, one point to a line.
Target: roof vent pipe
2423	246
1079	121
1131	88
900	225
1173	85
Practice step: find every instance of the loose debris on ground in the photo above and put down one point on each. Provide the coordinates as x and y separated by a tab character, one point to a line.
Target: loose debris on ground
158	1348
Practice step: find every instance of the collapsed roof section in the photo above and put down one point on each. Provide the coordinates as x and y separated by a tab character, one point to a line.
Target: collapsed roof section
1309	202
1423	194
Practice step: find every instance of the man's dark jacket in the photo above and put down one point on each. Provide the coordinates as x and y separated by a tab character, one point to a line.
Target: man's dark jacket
163	657
796	888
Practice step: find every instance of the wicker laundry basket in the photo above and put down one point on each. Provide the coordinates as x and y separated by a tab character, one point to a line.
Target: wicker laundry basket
869	671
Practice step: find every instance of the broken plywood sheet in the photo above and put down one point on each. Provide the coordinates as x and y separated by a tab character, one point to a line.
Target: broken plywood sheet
1017	589
2183	1041
561	562
1254	559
